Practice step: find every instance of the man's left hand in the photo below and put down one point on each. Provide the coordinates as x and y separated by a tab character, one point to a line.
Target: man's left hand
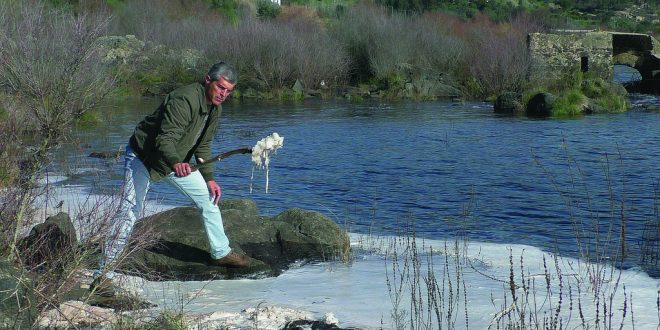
215	191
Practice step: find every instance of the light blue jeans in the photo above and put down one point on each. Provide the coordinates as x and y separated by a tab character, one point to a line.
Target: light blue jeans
131	208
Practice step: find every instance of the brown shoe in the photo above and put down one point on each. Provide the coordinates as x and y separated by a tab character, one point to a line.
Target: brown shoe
233	259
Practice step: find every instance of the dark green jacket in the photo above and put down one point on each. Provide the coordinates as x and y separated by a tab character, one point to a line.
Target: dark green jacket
168	135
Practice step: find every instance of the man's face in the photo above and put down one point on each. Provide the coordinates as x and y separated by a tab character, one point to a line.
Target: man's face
217	91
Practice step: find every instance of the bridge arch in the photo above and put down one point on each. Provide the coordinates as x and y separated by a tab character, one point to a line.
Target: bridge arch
639	51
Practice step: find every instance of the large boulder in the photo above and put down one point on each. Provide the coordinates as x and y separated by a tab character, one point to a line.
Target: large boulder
508	103
47	242
306	234
540	105
179	248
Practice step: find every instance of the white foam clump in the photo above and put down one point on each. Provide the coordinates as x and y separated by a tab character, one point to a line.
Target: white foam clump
262	151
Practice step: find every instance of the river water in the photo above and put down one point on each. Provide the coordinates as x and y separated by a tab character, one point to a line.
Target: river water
450	169
511	185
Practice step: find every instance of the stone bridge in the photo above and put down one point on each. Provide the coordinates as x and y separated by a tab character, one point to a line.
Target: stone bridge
596	51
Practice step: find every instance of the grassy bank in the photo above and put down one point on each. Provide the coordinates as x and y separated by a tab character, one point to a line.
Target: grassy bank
576	93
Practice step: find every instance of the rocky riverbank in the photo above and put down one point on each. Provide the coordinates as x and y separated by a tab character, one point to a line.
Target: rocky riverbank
173	246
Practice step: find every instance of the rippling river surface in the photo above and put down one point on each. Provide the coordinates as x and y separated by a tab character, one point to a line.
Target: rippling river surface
449	168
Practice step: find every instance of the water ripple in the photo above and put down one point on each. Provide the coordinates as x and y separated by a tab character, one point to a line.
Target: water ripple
452	168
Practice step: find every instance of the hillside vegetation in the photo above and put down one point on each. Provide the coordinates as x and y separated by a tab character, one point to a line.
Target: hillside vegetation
416	49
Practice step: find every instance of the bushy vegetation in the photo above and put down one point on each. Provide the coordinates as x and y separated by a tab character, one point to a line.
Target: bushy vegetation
578	93
270	54
418	49
51	75
427	56
570	103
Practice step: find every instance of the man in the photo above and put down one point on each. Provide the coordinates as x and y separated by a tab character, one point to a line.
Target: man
160	148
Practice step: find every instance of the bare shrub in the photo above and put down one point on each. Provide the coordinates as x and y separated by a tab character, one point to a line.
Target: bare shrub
269	54
300	16
319	58
49	60
499	60
160	21
263	50
441	52
422	296
383	45
274	54
49	65
13	125
50	69
358	32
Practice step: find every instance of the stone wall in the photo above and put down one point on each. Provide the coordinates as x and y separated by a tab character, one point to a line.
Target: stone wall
553	53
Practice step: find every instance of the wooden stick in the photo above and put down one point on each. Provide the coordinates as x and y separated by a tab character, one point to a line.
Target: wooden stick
242	150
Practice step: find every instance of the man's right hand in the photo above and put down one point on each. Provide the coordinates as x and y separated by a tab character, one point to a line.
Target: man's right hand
181	169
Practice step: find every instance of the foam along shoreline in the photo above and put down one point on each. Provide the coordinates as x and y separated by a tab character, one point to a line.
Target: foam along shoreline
357	294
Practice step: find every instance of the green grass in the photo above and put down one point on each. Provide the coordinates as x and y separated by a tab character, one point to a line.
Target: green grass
125	90
570	103
89	120
168	320
577	92
610	96
613	103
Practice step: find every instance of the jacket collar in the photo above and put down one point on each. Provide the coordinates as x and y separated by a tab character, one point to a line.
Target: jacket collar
204	107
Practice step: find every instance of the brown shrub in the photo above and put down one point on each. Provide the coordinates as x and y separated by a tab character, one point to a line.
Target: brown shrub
49	60
170	23
273	54
506	66
300	18
390	46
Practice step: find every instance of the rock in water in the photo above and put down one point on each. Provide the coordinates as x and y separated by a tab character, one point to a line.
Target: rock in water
540	105
180	246
508	103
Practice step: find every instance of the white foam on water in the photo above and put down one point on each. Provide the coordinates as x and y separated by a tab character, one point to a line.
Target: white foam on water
358	294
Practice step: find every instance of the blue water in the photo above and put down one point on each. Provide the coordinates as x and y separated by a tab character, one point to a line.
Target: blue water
448	168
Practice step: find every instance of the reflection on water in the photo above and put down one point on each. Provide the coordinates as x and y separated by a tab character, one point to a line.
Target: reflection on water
450	168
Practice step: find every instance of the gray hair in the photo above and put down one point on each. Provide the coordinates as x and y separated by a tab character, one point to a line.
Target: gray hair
224	70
